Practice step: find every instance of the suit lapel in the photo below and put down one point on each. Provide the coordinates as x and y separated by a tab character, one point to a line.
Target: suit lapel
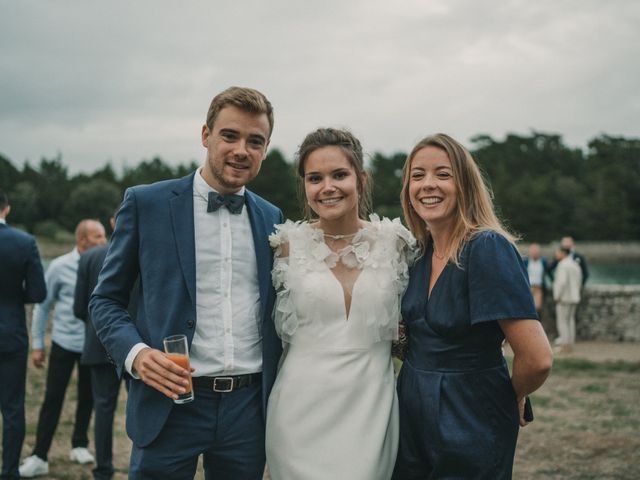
261	245
181	205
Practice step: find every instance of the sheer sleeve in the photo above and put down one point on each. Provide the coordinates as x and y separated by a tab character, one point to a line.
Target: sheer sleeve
284	314
391	258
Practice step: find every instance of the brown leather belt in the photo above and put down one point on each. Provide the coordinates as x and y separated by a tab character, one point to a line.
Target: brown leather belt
227	384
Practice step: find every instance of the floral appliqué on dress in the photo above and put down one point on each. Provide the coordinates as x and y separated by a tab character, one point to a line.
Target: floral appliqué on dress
382	244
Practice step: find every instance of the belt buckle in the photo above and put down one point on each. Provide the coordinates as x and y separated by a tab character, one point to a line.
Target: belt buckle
226	387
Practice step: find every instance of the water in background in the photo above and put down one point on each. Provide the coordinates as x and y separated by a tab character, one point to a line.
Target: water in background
608	273
614	273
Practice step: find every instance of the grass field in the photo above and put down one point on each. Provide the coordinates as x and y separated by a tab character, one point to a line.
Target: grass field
587	425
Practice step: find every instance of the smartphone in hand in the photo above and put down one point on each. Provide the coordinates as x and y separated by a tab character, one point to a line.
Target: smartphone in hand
528	410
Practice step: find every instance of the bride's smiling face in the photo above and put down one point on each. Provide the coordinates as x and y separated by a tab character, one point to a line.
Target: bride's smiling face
331	183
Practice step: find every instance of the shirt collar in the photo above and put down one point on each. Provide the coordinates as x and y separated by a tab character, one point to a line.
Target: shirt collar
75	254
3	220
202	188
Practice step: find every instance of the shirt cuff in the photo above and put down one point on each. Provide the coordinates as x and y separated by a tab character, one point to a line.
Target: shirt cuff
128	362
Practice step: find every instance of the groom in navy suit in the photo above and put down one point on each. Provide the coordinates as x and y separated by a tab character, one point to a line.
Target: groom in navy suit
199	246
21	281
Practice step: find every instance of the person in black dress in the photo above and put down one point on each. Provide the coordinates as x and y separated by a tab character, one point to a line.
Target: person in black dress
459	409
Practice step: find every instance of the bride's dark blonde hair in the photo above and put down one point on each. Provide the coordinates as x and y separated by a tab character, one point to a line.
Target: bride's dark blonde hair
474	210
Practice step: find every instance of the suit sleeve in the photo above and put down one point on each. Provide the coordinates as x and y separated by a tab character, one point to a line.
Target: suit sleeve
560	283
81	296
108	304
35	288
584	268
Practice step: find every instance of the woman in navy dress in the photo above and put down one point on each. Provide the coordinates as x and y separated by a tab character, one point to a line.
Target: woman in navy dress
459	409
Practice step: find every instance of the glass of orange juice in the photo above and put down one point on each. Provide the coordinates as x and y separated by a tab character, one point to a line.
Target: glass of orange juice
177	349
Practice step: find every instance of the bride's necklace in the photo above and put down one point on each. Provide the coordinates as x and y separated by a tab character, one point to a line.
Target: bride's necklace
339	237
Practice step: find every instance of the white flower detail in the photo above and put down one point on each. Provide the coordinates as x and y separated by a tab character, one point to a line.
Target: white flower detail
361	251
274	240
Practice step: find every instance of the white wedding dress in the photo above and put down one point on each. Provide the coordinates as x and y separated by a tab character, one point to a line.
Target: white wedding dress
332	413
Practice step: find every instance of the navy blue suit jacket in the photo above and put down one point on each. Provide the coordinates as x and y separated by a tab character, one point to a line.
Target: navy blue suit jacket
21	281
154	239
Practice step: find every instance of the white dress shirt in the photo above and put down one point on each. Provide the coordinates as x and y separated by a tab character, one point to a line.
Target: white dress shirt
535	269
228	337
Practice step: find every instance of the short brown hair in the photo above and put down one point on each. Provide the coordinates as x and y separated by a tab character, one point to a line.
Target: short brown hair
246	99
351	147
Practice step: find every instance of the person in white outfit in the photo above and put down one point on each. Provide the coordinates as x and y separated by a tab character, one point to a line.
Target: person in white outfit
566	294
333	410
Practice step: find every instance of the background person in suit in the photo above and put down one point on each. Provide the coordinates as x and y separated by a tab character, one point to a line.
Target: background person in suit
537	269
203	261
566	293
569	244
67	342
21	281
105	383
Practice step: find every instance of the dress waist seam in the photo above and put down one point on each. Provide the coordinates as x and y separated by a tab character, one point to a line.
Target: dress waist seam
479	367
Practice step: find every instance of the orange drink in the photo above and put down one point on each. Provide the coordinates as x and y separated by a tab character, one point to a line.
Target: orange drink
177	350
183	361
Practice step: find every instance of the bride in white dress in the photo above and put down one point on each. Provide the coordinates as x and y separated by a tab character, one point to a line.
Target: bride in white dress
332	413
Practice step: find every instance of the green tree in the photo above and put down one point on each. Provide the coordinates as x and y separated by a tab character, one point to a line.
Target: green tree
277	183
94	199
183	170
9	175
52	187
24	205
613	179
386	173
537	182
146	172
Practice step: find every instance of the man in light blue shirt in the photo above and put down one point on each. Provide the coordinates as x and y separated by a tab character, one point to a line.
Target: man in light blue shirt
67	342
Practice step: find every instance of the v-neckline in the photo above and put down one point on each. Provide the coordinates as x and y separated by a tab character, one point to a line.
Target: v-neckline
429	259
347	312
360	268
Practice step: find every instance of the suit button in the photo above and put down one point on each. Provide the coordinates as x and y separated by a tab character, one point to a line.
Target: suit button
190	323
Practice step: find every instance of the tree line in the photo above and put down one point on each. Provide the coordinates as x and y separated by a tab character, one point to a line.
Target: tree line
543	189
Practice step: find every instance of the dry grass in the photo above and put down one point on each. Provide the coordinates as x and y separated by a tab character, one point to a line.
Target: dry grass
587	425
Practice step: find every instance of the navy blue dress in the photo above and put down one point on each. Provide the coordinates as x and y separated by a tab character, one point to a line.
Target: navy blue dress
458	410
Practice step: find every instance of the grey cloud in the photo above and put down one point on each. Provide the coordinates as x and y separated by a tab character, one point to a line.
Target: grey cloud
129	80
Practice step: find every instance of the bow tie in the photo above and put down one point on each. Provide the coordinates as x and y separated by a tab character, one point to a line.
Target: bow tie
232	201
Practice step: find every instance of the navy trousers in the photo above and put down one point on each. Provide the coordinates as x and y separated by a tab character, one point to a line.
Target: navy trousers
105	386
13	374
226	428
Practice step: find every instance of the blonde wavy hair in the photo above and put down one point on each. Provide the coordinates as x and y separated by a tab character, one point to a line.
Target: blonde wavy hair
474	210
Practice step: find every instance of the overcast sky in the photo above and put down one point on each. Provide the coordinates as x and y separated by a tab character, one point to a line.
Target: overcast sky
125	81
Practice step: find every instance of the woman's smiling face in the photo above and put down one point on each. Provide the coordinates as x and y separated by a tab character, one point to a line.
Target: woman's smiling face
432	189
331	183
